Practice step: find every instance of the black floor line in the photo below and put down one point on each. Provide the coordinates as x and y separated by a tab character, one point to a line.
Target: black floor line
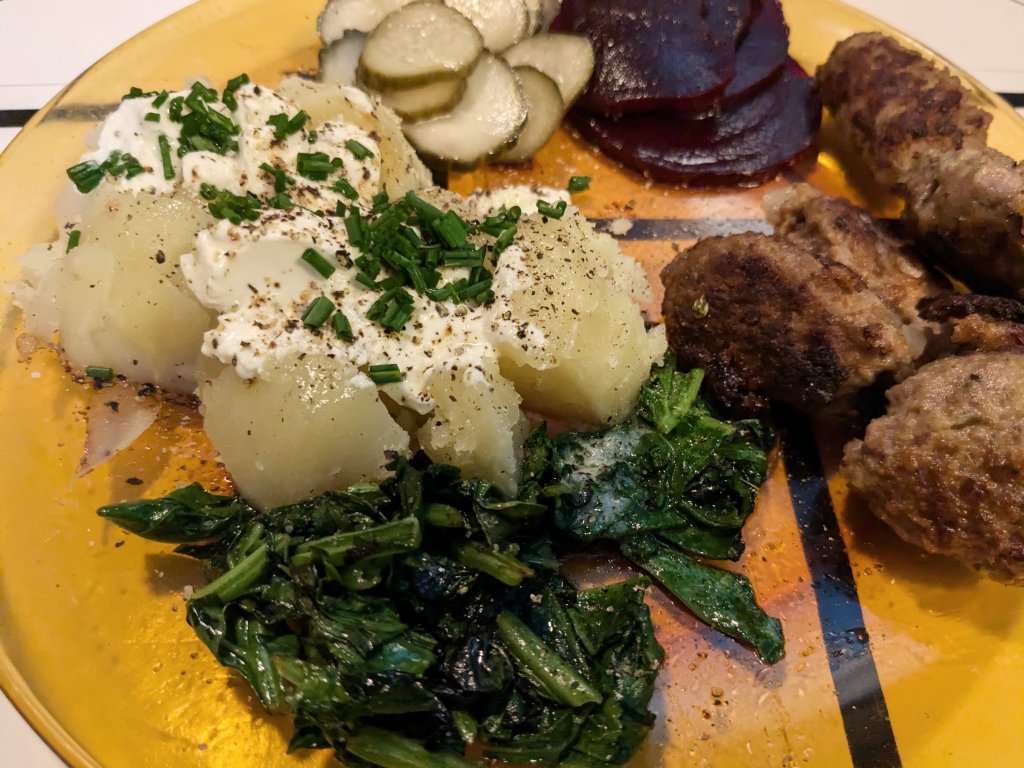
15	118
854	675
1015	99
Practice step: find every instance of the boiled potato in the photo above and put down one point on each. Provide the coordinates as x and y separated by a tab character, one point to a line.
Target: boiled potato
36	292
580	350
476	424
401	168
122	300
303	427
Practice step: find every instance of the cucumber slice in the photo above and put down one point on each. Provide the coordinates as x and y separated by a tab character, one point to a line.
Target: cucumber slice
341	16
420	43
534	15
501	22
340	59
545	112
548	10
566	59
425	100
488	119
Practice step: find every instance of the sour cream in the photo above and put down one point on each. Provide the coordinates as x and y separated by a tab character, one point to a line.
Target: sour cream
136	126
253	275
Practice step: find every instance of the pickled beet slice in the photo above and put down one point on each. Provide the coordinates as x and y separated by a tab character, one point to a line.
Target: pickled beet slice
649	54
728	20
761	52
746	144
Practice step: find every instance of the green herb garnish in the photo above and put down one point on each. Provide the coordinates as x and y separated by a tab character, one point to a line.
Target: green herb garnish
551	211
227	205
342	327
74	238
285	126
312	257
578	184
385	373
357	149
165	156
317	312
99	372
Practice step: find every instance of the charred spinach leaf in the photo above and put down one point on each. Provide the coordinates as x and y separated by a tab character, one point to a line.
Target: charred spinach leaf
672	482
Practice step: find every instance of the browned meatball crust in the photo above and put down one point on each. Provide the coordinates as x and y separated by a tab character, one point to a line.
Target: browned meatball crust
945	467
979	322
968	208
893	105
767	319
835	229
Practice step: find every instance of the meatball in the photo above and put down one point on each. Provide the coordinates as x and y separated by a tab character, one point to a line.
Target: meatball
968	210
945	466
894	106
769	319
923	134
838	230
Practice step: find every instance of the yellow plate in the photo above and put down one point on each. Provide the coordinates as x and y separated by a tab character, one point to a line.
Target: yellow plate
94	649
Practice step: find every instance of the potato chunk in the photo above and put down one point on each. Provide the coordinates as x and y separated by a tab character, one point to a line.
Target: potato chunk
304	427
122	300
401	168
476	424
580	349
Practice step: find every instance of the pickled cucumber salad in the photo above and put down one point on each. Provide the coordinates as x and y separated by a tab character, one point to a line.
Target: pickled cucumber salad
279	253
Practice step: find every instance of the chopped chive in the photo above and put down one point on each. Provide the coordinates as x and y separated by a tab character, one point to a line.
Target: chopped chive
204	92
228	99
74	238
451	229
137	93
281	201
176	108
355	228
160	99
165	156
237	82
379	202
462	258
425	210
152	117
86	176
342	327
504	241
475	291
281	179
318	262
339	209
317	312
315	166
357	149
285	126
387	373
366	280
578	184
342	187
311	137
99	372
551	211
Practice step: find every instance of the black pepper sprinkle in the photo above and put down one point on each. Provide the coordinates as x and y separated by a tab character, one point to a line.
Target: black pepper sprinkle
134	481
